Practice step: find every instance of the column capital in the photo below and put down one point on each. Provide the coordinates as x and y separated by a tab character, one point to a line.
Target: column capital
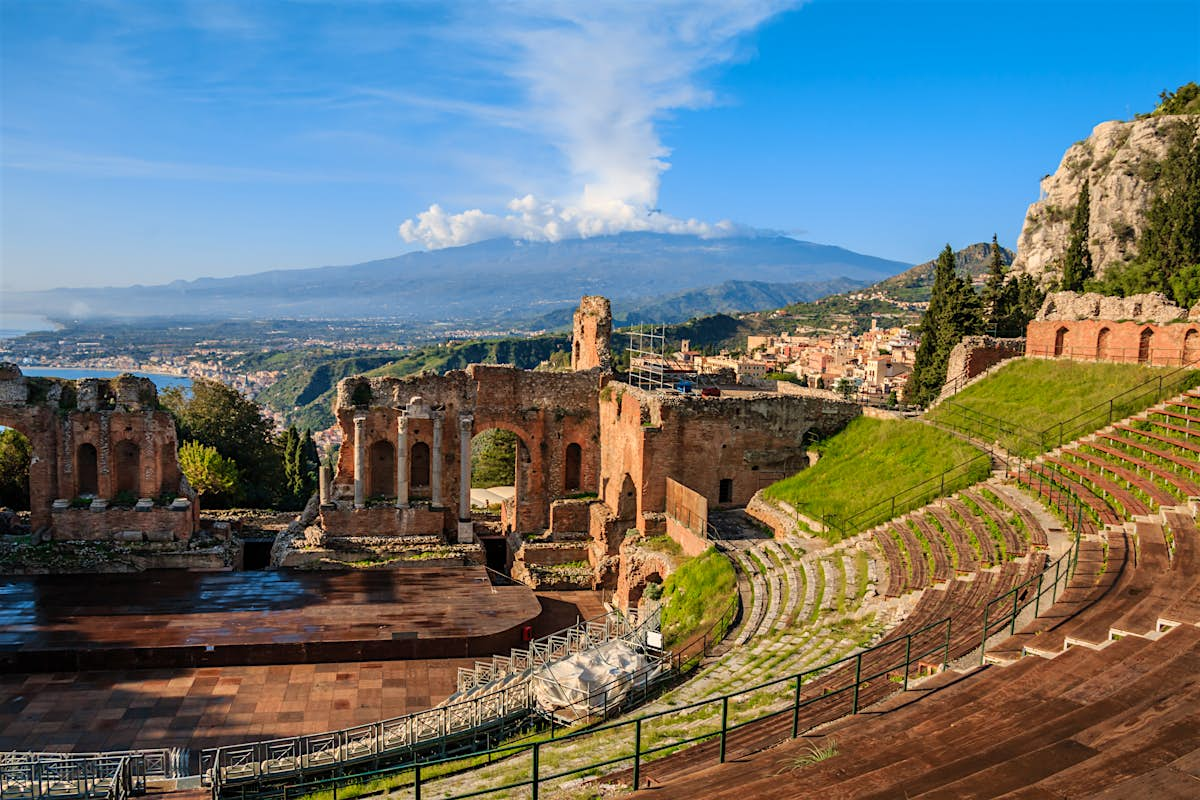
465	421
360	416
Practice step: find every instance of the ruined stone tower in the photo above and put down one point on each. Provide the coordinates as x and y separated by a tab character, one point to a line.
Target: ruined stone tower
591	335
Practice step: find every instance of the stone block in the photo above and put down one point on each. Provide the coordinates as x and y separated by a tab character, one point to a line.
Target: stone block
61	505
99	504
130	536
181	504
144	504
160	536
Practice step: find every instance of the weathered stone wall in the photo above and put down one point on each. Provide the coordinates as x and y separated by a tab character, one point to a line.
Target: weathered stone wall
125	524
974	355
385	521
98	437
569	516
639	567
1104	340
548	411
592	334
1149	307
747	442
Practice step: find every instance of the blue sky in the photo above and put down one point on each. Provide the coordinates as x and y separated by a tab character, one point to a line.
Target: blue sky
144	142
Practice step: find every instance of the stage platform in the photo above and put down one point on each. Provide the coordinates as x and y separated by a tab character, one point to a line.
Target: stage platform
174	618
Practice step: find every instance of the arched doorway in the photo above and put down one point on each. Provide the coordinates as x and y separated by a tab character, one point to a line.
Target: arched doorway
496	460
1145	341
573	468
1102	345
654	579
418	471
1060	340
87	476
381	469
1191	346
127	463
627	502
16	453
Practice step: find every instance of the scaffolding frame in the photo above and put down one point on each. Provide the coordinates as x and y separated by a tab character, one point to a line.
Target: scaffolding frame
648	357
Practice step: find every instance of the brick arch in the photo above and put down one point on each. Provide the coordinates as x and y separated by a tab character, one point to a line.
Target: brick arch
381	468
126	466
573	467
1191	346
1060	340
1102	343
87	469
1145	346
36	425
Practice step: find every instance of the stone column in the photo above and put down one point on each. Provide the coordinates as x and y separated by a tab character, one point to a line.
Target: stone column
360	458
466	529
435	462
402	461
323	483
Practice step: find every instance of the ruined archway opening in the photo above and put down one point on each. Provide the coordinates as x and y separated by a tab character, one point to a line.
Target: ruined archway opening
126	468
1060	341
650	588
1145	343
1102	344
16	454
1191	346
87	471
418	471
573	468
381	470
627	502
495	453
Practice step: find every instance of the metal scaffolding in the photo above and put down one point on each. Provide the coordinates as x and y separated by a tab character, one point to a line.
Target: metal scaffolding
648	357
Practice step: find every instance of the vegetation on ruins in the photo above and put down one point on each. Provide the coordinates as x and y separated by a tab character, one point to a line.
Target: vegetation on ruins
954	311
1077	266
1168	257
869	462
15	455
208	472
1028	396
218	416
493	458
695	597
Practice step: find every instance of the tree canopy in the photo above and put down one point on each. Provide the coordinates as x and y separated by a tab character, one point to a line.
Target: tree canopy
15	455
954	311
218	416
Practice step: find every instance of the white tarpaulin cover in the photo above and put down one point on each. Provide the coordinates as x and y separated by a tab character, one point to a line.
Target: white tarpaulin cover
593	677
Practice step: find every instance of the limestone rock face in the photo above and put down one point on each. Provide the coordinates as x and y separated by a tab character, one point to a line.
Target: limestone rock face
1120	163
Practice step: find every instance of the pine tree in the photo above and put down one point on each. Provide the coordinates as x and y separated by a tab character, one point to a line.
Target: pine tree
1077	262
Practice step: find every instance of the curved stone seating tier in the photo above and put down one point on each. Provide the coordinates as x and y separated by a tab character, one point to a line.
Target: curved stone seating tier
1178	486
1088	722
1055	490
1097	483
1125	468
1183	468
1014	544
1017	502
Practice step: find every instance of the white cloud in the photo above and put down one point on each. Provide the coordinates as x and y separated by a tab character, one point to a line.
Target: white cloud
596	79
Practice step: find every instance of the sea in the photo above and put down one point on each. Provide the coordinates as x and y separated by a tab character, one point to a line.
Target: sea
14	325
160	380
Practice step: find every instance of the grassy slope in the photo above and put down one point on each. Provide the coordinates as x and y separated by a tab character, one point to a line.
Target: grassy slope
1037	394
872	460
696	595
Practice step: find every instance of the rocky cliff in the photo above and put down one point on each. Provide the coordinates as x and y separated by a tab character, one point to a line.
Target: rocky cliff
1120	162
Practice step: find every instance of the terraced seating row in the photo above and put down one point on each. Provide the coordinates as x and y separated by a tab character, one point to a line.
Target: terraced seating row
975	529
1089	723
1131	469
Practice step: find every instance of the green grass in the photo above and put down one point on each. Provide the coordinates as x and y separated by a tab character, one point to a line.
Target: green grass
1029	396
696	595
868	463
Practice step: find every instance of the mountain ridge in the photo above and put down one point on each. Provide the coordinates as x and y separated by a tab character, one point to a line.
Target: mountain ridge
494	280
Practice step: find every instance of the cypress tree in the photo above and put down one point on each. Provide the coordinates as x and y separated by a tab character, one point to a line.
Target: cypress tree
954	311
1077	262
995	289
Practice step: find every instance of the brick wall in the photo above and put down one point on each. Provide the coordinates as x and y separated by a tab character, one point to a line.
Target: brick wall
1169	344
